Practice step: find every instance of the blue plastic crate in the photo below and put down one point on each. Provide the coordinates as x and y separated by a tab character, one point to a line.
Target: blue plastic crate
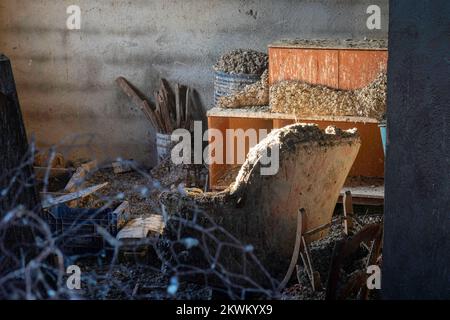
76	228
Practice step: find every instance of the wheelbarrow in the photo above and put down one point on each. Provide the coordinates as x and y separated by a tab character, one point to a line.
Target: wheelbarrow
263	210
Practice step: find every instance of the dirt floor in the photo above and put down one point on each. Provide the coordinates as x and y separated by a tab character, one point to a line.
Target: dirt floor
146	278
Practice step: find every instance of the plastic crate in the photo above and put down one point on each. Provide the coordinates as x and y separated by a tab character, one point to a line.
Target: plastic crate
76	228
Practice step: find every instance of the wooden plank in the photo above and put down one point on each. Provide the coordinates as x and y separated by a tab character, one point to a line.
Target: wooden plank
169	99
121	167
51	202
129	90
123	211
266	114
163	112
78	177
188	110
348	212
180	96
142	227
139	100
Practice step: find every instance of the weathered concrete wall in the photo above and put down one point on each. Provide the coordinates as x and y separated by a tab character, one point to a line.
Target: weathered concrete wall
66	78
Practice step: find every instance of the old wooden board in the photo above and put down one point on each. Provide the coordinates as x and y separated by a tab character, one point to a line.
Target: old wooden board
264	113
142	227
50	201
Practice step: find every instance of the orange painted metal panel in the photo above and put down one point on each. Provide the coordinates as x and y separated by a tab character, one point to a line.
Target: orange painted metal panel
370	159
224	123
337	68
310	65
357	68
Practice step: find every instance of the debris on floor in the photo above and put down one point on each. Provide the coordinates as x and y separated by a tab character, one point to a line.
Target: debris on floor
322	254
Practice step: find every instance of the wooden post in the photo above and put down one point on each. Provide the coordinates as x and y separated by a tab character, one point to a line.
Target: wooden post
16	162
348	212
416	252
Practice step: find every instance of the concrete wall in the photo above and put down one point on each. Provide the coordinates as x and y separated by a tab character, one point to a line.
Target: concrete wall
66	78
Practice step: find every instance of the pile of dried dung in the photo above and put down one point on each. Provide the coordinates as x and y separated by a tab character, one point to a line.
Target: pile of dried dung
244	61
256	94
304	99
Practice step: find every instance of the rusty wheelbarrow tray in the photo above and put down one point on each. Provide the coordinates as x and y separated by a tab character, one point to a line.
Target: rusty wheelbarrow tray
262	210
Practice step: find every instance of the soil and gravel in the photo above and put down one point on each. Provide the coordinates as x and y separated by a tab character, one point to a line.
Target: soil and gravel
243	61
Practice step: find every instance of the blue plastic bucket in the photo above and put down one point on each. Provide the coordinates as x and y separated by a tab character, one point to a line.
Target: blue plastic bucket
382	126
226	84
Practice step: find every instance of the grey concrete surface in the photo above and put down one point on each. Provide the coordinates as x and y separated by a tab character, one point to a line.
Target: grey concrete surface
66	78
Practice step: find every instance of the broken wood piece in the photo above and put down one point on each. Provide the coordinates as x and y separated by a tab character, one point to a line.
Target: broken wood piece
122	167
142	228
89	166
123	212
348	212
163	108
344	248
130	91
151	115
180	105
139	101
78	177
169	99
75	180
51	202
188	110
163	113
